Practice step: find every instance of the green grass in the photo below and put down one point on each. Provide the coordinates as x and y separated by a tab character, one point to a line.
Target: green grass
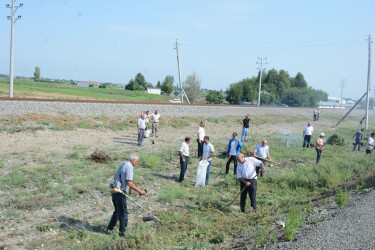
67	91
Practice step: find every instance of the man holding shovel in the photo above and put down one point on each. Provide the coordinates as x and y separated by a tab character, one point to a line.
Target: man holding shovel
234	148
248	179
124	175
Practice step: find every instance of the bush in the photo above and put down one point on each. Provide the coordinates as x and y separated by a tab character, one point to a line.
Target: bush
336	139
152	162
341	197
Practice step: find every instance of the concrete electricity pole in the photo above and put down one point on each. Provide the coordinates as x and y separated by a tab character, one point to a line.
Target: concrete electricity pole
13	21
368	79
179	73
342	85
261	63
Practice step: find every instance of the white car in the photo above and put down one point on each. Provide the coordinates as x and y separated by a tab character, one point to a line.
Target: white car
175	101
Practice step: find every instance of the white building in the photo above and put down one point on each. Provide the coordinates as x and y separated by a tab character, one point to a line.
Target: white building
153	90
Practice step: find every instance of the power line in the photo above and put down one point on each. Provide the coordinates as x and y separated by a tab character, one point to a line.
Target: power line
13	21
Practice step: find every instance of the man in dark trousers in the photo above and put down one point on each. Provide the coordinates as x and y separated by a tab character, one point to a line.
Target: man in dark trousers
358	139
200	139
234	148
308	133
248	178
245	129
124	175
184	157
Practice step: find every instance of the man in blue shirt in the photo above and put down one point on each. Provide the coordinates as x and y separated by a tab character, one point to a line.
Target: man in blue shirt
358	138
124	175
234	148
208	153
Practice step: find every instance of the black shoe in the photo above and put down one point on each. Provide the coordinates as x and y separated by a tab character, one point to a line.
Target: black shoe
242	210
122	235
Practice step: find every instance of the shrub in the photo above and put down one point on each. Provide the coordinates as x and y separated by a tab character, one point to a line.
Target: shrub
336	139
73	155
15	179
152	161
341	197
295	220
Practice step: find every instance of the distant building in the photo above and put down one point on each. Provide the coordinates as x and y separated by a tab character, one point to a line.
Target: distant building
87	84
153	90
336	103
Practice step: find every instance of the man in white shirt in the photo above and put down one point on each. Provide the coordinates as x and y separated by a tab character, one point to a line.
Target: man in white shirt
246	172
370	143
208	153
147	119
184	157
141	125
155	123
262	150
200	138
308	133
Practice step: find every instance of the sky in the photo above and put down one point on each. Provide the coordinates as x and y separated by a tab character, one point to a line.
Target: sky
219	40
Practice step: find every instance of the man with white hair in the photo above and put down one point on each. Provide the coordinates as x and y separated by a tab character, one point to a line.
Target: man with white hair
246	172
124	175
262	151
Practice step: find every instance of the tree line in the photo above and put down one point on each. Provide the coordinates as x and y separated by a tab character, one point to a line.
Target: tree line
277	87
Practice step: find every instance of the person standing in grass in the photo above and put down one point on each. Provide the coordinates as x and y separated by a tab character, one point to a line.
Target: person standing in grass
155	123
308	133
246	173
208	153
234	148
141	125
358	139
124	175
200	139
245	127
370	143
319	147
315	114
147	118
184	157
262	150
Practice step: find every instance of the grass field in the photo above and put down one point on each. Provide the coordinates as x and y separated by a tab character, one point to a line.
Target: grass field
59	196
24	88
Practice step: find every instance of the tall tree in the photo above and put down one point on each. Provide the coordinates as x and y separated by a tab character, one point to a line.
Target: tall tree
192	86
235	93
271	81
167	85
138	83
37	74
299	81
215	96
283	83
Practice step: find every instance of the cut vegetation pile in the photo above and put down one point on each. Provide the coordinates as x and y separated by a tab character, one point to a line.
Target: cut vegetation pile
100	156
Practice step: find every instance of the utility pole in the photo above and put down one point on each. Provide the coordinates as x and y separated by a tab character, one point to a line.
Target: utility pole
342	85
261	63
368	79
179	73
13	21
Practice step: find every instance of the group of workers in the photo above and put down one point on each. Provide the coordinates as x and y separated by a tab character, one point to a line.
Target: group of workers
246	169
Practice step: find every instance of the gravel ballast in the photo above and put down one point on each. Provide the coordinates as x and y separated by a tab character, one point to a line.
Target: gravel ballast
350	227
110	109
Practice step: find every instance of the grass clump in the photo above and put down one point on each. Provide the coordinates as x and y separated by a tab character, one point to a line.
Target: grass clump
152	161
72	156
100	156
342	197
336	139
15	179
296	219
171	193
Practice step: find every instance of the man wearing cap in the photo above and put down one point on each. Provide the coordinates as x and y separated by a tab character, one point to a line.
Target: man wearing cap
262	150
184	157
308	133
200	139
319	147
234	148
246	173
